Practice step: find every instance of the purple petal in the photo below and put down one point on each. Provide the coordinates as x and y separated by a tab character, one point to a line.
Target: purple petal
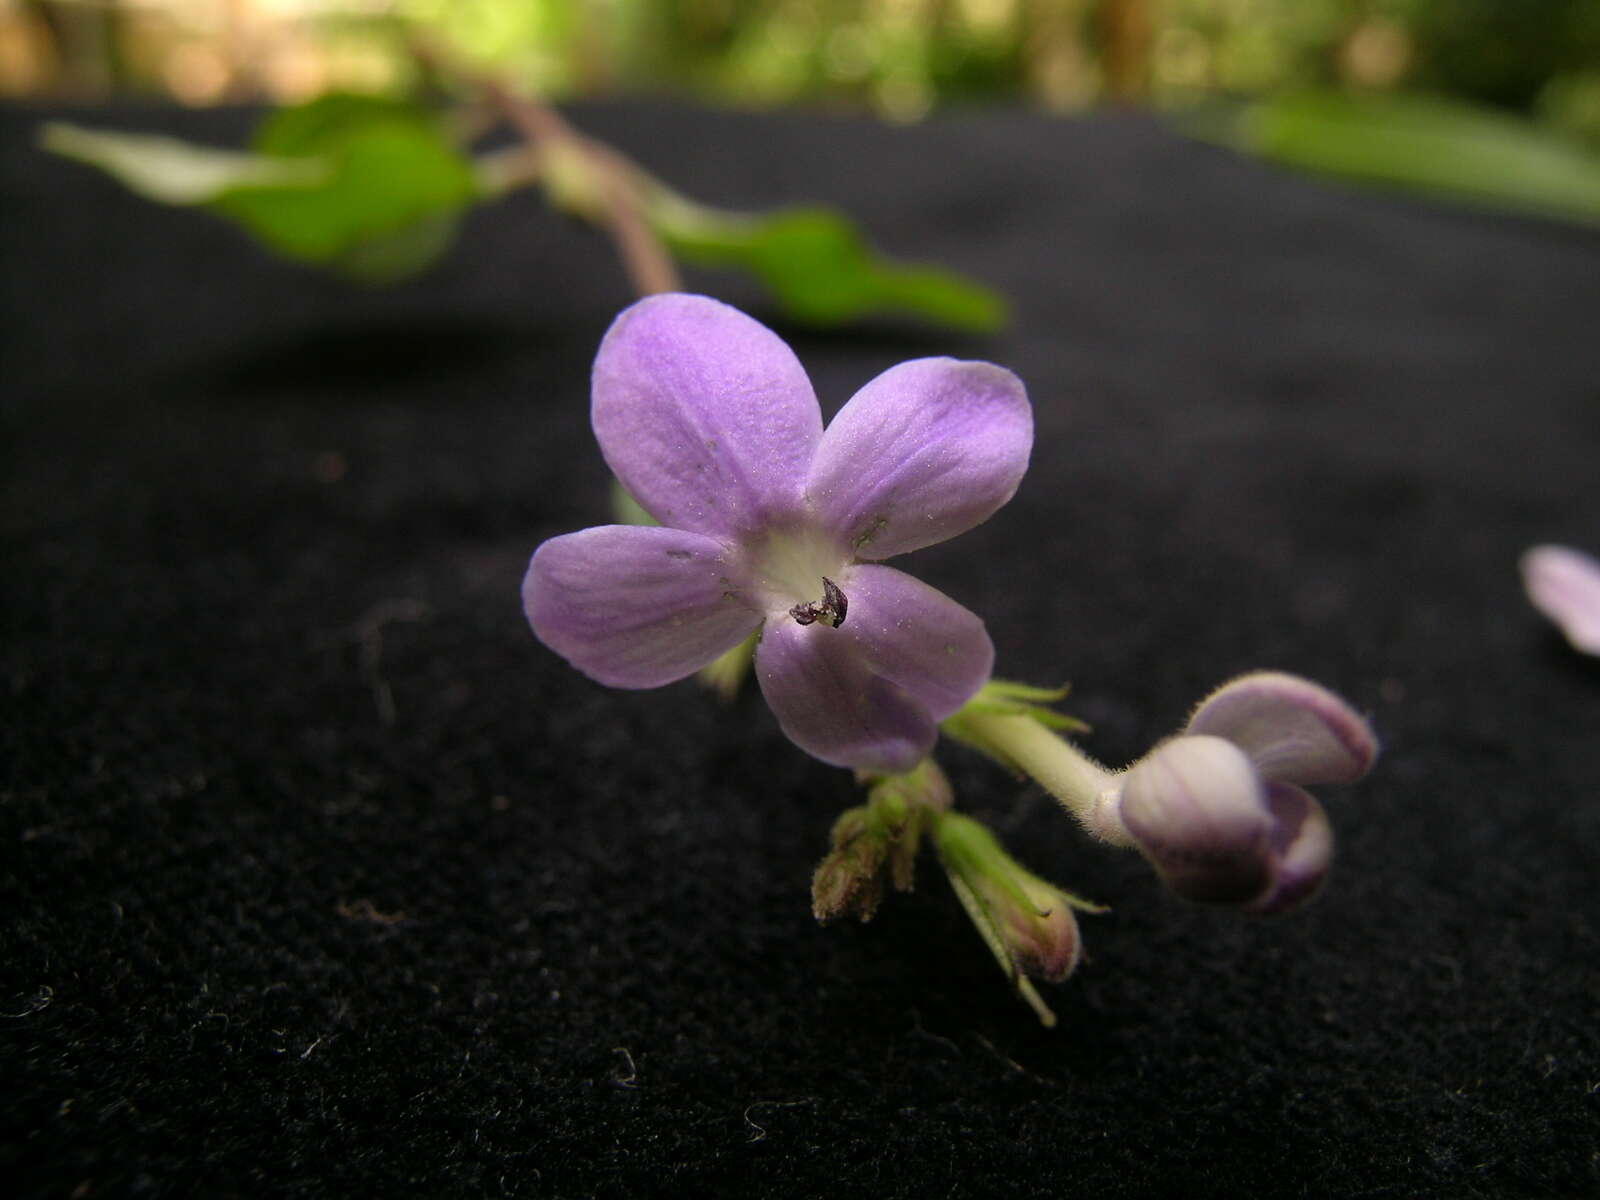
831	704
917	638
1294	730
1564	585
634	606
925	451
1196	808
704	415
1302	848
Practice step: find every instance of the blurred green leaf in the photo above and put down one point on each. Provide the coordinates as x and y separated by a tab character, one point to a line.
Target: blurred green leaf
1419	144
389	209
327	122
169	171
369	187
819	267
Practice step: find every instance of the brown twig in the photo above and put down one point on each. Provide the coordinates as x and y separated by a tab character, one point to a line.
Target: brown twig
649	266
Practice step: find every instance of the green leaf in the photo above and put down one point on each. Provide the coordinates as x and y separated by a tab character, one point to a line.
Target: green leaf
1430	146
389	208
366	186
818	266
330	120
169	171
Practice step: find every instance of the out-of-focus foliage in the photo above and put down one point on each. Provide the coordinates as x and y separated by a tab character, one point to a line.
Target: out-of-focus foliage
1469	153
372	188
397	183
900	57
367	186
821	270
1332	86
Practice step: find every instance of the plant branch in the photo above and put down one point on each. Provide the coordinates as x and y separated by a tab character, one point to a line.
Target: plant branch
619	194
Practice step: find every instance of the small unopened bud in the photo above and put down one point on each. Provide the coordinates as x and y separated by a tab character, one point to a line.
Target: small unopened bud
1027	922
848	882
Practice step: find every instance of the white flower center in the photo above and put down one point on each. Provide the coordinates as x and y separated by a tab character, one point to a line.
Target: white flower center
788	569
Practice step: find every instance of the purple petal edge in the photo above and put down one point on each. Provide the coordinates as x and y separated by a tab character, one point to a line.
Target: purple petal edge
634	606
1302	849
704	415
917	638
1564	585
1293	729
923	452
830	703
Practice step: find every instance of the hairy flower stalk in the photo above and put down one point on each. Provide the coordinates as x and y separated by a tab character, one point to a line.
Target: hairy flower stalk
1002	722
770	526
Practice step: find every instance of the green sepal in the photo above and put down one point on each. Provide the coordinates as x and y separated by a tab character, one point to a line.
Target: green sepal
626	510
726	673
1013	909
1004	698
965	850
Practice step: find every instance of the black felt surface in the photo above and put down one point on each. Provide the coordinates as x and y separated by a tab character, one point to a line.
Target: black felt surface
322	877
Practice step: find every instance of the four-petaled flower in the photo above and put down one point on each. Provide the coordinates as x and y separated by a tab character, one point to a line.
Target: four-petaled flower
1218	810
771	523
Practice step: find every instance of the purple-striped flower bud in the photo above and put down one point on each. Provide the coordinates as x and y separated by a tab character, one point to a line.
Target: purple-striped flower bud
1218	810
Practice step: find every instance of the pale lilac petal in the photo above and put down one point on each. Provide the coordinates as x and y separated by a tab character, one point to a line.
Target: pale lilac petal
704	415
1294	730
1302	848
831	704
917	637
635	606
1564	585
925	451
1197	810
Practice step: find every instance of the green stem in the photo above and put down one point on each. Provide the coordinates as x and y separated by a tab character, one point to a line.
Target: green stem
1085	789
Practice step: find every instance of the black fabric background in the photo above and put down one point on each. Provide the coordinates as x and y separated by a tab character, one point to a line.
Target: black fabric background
533	937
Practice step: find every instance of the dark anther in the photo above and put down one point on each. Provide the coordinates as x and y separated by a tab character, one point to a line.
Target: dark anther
831	611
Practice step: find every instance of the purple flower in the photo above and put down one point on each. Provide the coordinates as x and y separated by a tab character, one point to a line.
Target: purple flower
1564	585
770	523
1219	810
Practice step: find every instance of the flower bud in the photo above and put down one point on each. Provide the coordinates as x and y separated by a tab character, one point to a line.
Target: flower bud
848	882
1196	809
1199	810
879	838
1027	922
1302	848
